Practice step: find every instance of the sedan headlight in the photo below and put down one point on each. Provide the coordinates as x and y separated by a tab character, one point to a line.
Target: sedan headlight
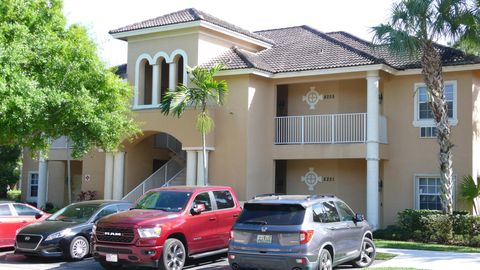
149	232
64	233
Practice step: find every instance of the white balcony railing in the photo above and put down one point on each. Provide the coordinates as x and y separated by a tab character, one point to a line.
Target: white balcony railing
327	129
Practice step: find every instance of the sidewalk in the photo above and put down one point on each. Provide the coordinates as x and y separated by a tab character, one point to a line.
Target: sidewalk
423	259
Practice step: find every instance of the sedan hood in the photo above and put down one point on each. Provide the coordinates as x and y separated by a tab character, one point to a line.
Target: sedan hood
139	217
47	227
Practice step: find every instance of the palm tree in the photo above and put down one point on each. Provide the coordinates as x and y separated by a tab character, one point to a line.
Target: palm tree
413	28
204	92
471	190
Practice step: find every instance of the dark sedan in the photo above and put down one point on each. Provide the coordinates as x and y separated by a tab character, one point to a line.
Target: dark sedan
67	232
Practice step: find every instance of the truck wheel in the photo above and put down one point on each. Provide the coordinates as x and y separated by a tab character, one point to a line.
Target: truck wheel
79	248
367	254
173	255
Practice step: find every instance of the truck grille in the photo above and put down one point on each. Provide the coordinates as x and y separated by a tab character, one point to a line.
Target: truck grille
114	250
117	235
28	241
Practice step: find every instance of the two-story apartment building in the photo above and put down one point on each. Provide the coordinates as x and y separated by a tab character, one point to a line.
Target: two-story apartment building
308	112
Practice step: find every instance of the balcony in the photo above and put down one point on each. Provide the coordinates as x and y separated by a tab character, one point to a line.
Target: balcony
347	128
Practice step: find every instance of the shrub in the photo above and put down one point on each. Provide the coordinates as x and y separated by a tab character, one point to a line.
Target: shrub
87	195
474	241
14	194
410	222
391	232
437	228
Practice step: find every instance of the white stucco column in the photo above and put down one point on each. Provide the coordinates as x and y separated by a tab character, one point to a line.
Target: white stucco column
191	168
200	179
42	181
372	149
172	78
155	83
118	171
108	182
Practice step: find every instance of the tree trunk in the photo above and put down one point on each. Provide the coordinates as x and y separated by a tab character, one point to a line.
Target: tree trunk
433	78
205	178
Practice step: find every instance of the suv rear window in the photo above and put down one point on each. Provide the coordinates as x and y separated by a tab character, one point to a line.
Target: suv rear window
272	214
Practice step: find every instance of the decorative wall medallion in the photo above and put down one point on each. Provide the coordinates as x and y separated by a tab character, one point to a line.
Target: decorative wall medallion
311	179
312	97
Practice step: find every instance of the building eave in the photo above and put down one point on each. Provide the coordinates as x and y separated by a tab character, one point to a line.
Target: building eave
125	35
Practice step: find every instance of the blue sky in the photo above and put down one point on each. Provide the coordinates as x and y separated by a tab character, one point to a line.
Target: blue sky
100	16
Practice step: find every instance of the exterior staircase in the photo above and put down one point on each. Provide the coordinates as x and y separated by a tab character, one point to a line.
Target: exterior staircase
172	173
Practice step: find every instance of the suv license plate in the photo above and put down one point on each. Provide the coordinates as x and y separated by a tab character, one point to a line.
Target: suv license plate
264	239
112	258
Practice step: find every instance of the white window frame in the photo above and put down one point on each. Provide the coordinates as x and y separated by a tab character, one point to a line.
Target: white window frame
417	122
29	197
416	186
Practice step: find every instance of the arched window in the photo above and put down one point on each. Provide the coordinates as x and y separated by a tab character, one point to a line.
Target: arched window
164	77
145	83
180	70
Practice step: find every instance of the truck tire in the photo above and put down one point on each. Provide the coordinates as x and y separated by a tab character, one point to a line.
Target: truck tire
173	255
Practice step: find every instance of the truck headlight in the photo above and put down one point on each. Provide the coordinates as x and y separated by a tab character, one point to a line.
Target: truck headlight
149	232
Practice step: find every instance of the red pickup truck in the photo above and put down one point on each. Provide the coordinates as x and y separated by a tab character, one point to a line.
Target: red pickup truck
166	226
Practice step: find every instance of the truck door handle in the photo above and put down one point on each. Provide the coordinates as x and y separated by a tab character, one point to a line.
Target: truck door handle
235	215
212	219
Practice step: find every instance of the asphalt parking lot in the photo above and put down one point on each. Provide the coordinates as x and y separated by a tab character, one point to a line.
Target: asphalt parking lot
10	261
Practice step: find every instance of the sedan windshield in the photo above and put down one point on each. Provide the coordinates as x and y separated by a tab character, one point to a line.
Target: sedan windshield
74	213
166	200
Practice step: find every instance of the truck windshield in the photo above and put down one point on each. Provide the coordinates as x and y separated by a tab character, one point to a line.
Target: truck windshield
272	214
167	200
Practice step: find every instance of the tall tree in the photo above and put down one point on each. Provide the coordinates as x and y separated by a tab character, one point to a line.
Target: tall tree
204	91
52	83
413	28
9	167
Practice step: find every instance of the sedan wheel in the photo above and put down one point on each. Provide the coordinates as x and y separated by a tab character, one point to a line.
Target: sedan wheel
174	255
367	255
325	260
79	248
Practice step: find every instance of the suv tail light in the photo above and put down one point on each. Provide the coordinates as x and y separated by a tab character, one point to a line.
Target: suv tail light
292	239
306	236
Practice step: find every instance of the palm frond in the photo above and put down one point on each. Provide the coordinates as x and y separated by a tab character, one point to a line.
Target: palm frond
470	189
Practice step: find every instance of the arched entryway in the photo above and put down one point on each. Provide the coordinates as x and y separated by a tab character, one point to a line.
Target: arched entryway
154	160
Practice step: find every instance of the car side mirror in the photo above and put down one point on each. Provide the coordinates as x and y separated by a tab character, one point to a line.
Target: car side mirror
38	215
198	208
358	218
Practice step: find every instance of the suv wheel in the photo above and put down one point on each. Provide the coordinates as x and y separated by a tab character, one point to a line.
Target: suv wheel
79	248
173	255
367	254
325	260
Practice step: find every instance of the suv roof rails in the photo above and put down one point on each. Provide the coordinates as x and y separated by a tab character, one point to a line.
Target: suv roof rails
267	195
319	196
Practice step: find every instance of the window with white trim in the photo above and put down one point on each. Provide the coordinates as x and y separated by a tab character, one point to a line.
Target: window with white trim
32	185
428	189
423	115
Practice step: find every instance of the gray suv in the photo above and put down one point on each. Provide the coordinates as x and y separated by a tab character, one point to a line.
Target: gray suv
299	232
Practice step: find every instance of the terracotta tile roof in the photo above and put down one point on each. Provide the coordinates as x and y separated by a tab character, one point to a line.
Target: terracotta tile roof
304	48
188	15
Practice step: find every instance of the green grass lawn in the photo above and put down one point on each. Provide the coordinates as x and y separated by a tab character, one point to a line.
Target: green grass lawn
384	256
379	243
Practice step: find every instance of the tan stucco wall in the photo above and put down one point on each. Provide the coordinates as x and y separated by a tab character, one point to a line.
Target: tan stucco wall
410	154
228	161
349	183
139	162
93	165
476	127
29	165
261	110
56	192
350	96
